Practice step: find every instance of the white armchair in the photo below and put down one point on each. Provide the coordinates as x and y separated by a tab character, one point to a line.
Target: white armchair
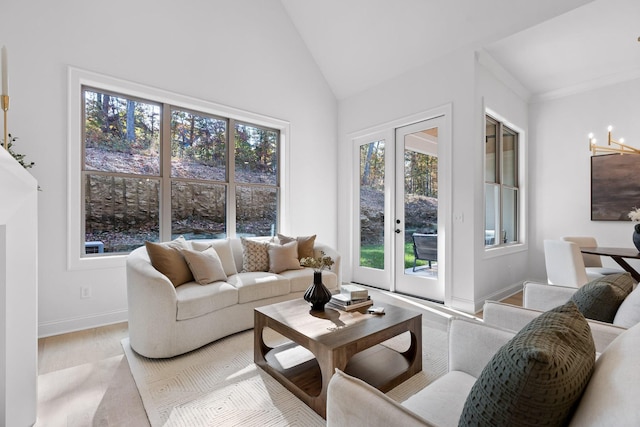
609	399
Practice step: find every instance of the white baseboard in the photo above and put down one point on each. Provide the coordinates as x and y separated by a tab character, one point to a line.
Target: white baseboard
63	326
499	295
464	305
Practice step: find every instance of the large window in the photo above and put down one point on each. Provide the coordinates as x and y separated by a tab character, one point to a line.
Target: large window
502	200
152	170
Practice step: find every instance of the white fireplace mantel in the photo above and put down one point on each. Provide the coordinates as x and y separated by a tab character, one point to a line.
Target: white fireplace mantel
18	293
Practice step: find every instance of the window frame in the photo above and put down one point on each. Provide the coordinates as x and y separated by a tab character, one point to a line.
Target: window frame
79	79
519	164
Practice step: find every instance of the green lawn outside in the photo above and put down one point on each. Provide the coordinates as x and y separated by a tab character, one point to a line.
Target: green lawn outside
373	256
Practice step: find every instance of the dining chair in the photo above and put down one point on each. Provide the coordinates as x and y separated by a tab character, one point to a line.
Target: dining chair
592	263
565	265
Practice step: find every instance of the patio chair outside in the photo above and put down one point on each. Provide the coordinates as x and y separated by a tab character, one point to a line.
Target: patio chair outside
425	248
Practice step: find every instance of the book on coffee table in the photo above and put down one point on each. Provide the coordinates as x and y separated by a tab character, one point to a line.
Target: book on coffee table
353	291
341	302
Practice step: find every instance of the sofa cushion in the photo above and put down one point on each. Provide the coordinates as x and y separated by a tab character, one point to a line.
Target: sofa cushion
538	376
196	300
224	251
449	391
205	266
283	257
167	259
305	244
601	298
301	279
628	313
259	285
611	399
255	255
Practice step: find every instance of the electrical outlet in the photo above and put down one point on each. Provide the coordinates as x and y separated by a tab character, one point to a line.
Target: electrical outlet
458	217
85	292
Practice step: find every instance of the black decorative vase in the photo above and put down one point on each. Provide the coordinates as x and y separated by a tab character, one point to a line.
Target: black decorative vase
636	236
317	294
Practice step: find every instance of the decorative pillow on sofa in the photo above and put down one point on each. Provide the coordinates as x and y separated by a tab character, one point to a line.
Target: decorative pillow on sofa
223	248
536	377
255	255
205	266
167	259
283	257
629	312
305	244
601	298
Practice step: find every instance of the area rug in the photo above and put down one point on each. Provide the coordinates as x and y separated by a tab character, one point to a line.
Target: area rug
219	385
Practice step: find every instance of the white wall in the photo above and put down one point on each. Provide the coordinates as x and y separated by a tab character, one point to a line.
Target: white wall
244	54
500	271
561	165
449	80
460	80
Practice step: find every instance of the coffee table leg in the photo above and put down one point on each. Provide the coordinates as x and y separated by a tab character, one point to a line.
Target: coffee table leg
328	361
260	349
414	353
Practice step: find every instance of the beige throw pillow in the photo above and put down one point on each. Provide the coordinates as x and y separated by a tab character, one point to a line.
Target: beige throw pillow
255	255
167	259
305	244
283	257
223	249
205	266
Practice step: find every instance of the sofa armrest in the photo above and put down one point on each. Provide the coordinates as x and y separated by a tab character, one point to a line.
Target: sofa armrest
604	333
152	306
335	256
473	343
515	318
544	297
352	402
507	316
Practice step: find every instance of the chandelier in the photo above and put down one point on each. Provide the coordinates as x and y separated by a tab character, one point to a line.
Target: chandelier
612	146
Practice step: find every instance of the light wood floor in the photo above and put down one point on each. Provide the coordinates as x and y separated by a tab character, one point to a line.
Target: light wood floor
84	379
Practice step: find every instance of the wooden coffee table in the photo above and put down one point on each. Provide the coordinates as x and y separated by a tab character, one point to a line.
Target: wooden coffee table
334	339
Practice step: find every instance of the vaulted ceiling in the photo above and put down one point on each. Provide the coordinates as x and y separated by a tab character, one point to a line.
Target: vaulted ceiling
549	46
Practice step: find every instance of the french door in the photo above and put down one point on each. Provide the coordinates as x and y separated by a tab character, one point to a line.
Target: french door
417	242
396	200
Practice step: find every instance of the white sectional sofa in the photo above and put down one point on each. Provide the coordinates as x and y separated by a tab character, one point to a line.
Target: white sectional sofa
609	398
165	320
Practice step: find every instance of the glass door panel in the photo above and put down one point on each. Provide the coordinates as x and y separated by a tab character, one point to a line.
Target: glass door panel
371	222
371	264
417	241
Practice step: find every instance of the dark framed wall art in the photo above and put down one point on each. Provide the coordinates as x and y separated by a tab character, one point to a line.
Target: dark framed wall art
615	186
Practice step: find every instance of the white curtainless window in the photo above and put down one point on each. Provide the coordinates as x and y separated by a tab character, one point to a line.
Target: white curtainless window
153	166
502	188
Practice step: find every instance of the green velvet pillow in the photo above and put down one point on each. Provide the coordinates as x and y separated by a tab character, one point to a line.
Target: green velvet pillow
537	377
601	298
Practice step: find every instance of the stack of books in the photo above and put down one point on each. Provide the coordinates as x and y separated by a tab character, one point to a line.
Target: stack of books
350	298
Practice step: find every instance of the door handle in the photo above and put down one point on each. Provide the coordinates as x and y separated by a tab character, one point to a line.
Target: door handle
398	231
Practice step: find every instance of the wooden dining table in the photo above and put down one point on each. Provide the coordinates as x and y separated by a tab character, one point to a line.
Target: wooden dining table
618	255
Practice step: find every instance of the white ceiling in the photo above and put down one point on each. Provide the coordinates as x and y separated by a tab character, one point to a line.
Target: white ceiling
549	46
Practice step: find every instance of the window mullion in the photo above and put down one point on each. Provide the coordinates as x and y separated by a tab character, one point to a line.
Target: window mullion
231	181
165	173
